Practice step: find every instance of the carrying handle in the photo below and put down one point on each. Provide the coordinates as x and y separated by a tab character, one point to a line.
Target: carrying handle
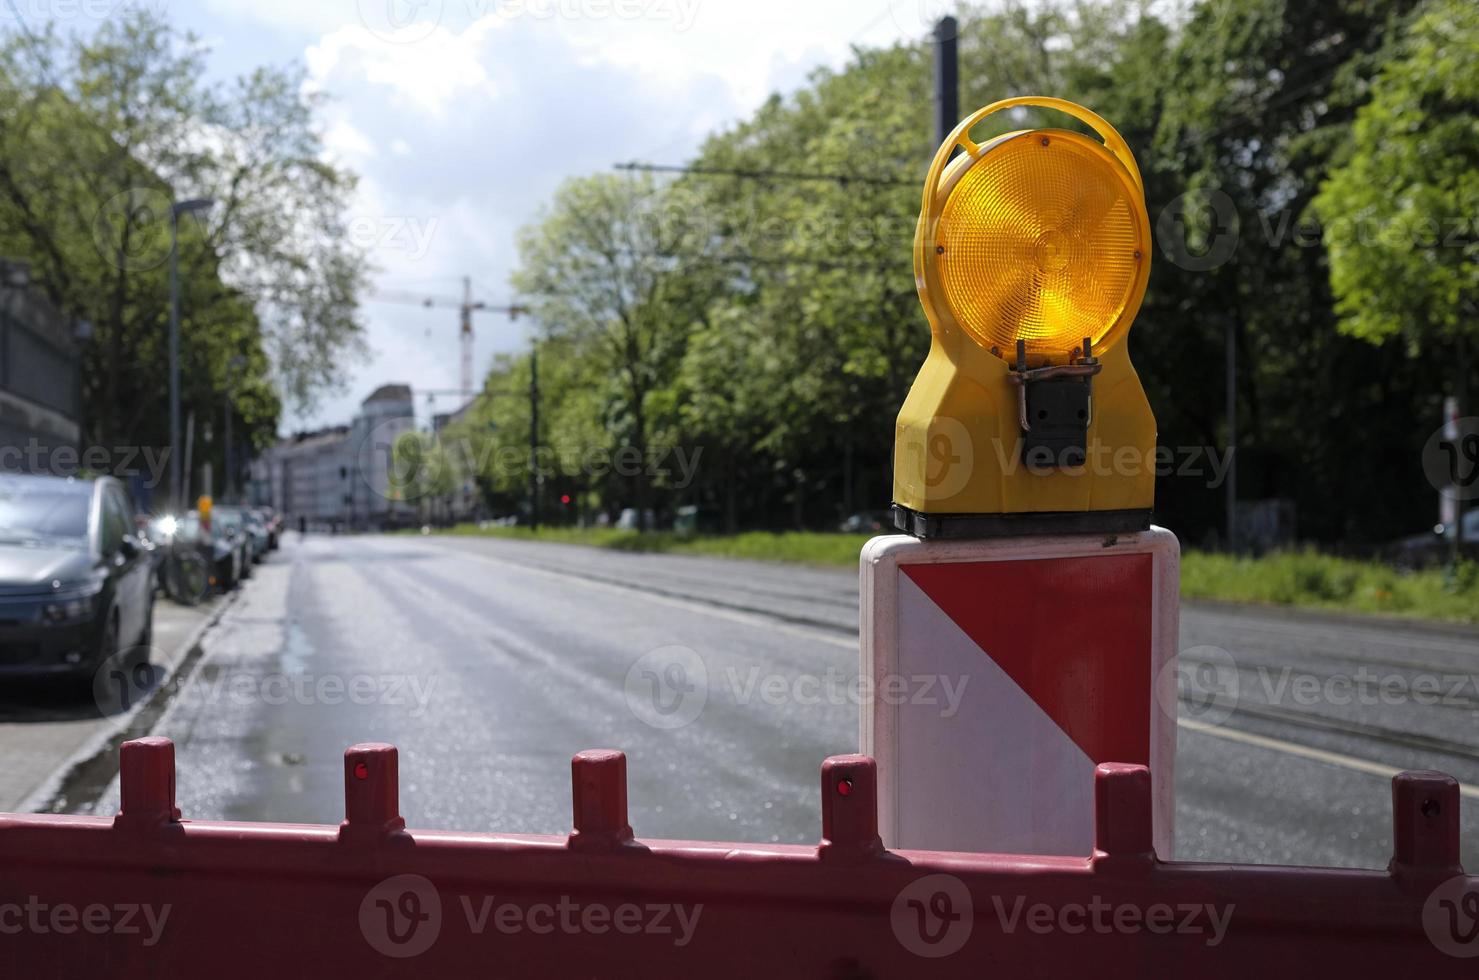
960	136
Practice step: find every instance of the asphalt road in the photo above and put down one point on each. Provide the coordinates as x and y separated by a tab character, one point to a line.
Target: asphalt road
489	663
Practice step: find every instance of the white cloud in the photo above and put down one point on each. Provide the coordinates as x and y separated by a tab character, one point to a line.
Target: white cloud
463	116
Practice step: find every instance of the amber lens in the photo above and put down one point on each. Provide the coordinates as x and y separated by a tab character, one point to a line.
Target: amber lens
1041	240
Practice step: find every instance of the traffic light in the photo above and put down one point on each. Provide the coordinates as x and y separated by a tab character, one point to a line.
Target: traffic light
1031	257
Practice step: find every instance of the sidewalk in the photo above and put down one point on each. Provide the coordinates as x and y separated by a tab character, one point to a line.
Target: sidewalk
45	730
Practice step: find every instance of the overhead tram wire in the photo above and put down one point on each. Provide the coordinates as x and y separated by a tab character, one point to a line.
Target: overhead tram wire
751	174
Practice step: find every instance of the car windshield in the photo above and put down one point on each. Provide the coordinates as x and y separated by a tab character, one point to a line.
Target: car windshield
53	514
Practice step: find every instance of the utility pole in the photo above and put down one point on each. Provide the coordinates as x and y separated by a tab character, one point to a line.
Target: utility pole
465	333
183	491
534	435
228	479
1232	437
176	209
947	78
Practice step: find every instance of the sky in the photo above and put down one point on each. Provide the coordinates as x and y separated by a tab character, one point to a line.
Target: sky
461	117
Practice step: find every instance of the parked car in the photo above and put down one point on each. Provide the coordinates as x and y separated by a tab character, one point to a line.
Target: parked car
1435	547
245	522
261	538
229	522
76	580
223	553
272	522
867	520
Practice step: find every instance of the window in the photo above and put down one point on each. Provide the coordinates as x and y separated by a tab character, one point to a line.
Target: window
116	522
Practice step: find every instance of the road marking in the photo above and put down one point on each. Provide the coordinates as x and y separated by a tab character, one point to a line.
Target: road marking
692	605
1306	752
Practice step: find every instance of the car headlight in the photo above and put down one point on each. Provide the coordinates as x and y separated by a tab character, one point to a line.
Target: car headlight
73	607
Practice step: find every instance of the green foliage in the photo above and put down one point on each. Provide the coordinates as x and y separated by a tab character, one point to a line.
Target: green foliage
421	468
97	137
1306	578
1401	210
791	546
773	323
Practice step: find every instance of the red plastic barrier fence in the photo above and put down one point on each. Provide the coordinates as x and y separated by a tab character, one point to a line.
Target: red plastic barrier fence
147	895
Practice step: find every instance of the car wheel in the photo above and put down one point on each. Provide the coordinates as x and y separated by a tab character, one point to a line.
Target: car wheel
106	651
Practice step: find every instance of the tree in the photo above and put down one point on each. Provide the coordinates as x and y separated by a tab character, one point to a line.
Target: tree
1399	209
599	270
97	137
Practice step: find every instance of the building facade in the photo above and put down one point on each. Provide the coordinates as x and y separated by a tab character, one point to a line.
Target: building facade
342	476
40	374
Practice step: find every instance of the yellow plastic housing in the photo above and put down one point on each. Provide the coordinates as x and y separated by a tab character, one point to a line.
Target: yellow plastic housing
1042	236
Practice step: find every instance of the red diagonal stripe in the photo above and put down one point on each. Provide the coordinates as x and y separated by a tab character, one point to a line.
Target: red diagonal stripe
1074	633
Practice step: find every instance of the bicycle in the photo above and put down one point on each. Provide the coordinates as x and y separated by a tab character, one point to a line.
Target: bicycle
187	575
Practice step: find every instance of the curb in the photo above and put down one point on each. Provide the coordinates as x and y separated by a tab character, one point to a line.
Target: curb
52	795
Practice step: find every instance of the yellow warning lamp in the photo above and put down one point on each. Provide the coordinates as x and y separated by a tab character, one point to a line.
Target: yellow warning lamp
1031	257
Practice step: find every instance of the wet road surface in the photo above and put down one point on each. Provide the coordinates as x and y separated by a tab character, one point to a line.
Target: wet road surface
489	663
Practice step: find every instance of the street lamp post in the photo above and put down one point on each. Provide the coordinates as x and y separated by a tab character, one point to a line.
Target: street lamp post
175	210
228	482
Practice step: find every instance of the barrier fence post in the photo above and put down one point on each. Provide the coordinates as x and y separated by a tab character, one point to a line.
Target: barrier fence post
849	809
1425	824
371	792
1123	812
146	784
598	793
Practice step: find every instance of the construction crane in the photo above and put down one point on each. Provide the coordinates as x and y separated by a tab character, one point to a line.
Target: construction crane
465	307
